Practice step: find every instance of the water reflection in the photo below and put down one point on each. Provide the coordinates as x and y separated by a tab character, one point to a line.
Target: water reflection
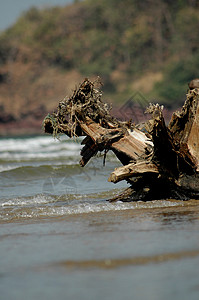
189	213
178	217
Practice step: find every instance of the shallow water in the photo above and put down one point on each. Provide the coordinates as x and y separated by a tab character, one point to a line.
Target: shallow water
60	238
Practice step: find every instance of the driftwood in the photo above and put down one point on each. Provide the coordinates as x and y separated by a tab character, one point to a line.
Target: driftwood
158	161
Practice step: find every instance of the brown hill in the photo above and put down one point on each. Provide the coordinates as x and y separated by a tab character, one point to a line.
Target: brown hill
127	43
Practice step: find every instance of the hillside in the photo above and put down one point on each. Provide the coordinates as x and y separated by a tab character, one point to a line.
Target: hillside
150	46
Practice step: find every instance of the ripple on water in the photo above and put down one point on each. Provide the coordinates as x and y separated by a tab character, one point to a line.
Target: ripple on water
42	206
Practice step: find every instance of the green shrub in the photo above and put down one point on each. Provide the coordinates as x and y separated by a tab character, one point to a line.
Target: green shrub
174	85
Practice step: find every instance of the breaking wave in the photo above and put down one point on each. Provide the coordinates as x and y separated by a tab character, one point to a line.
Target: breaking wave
38	148
42	206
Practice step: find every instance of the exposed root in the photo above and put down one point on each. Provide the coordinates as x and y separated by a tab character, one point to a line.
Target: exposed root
160	162
84	102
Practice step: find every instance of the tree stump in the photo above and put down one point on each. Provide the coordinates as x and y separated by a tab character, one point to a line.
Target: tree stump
159	162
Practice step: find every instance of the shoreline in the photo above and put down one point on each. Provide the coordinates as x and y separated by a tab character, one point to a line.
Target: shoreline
21	128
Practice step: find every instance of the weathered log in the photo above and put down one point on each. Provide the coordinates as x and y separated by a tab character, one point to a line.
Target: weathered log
161	162
132	169
184	128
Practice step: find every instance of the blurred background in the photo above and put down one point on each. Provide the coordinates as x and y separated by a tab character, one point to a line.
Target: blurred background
48	47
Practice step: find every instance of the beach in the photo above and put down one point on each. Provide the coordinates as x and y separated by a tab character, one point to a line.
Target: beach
61	238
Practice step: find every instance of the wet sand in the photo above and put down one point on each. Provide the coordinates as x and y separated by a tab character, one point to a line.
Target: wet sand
61	239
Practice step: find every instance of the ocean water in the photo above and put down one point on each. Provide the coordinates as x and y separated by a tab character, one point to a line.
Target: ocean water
61	238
